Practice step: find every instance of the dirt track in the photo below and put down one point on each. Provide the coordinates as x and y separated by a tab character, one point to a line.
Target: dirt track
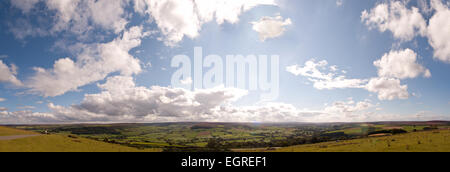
16	137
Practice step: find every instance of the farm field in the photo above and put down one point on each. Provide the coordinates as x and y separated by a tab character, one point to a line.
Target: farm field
6	131
172	135
427	141
240	137
58	143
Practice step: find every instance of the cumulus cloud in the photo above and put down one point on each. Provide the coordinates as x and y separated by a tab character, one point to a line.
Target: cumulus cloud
439	31
394	16
393	66
175	19
271	27
314	72
178	19
26	107
400	64
24	5
109	14
122	101
187	81
2	99
74	16
424	6
406	23
220	111
93	63
8	74
388	88
22	29
348	107
121	98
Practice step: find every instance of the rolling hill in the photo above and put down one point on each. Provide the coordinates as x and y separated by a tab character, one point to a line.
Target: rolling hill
56	143
426	141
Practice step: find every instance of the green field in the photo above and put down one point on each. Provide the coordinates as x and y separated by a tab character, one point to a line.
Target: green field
206	137
5	131
434	141
58	143
178	135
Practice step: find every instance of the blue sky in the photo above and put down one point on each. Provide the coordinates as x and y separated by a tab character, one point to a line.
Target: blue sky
410	83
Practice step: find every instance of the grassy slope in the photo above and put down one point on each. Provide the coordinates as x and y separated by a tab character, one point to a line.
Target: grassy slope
59	143
5	131
434	141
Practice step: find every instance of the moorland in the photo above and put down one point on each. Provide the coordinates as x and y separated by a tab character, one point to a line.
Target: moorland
241	137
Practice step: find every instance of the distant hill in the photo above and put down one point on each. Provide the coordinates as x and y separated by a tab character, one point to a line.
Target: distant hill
57	143
426	141
207	136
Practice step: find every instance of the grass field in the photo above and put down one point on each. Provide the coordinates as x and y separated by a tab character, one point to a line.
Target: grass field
172	135
58	143
5	131
435	141
240	137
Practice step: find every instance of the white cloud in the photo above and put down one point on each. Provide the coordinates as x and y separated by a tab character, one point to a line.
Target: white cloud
311	69
2	99
177	19
323	80
122	99
394	16
27	117
339	82
439	31
267	112
388	88
9	74
26	107
424	6
140	6
22	28
392	67
24	5
93	63
3	109
187	81
109	14
74	16
350	109
400	64
271	27
339	3
349	106
333	68
406	23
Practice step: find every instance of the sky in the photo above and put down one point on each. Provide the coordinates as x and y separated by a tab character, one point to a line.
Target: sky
103	61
